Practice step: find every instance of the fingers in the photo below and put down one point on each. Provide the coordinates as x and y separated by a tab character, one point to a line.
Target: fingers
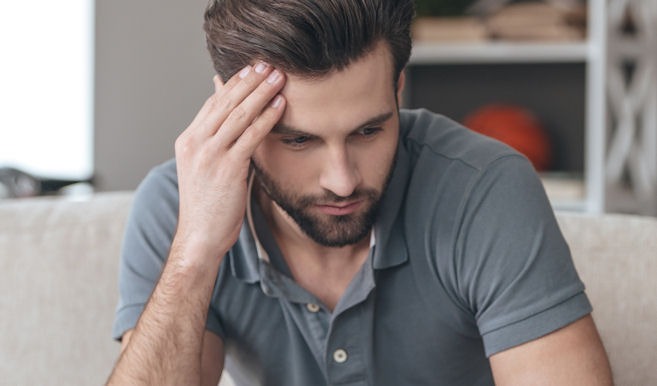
210	103
236	104
207	106
245	113
258	130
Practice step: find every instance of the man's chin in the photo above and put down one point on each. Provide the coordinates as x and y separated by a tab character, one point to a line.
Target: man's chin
335	231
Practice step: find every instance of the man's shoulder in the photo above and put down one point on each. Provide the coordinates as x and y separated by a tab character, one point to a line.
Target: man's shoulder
159	187
453	170
166	170
422	131
162	177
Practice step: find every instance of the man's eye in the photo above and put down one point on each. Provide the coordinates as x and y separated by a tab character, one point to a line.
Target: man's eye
369	131
296	141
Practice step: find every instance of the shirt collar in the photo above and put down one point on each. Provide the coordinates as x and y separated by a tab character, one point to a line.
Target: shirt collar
390	240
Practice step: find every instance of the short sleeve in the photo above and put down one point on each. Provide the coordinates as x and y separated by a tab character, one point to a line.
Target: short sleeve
514	268
146	243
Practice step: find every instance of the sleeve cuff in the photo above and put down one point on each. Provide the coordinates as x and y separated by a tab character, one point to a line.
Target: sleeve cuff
537	325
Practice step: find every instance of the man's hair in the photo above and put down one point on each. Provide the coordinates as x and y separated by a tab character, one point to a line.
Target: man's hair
307	38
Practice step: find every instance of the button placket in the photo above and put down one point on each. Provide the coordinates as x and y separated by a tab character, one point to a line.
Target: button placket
349	339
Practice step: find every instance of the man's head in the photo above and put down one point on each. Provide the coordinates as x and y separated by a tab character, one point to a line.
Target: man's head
326	164
307	38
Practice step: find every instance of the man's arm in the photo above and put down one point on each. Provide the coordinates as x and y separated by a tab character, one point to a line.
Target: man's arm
573	355
212	357
212	159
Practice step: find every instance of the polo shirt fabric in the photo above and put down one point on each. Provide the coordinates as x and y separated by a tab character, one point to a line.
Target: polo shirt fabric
469	261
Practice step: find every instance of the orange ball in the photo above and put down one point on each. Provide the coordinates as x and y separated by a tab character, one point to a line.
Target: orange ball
515	126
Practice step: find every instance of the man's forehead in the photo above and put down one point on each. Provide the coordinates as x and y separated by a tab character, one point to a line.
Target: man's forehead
341	100
375	120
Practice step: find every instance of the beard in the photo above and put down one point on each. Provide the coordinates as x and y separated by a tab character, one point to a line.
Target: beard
326	230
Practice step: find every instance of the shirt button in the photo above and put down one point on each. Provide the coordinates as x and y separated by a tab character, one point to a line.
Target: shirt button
312	307
340	356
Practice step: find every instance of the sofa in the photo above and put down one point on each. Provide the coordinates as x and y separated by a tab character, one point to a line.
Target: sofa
58	288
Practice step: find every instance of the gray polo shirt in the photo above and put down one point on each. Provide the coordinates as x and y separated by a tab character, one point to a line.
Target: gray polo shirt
468	261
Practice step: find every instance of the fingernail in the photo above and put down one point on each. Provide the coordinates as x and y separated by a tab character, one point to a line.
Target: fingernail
273	77
260	67
245	72
277	101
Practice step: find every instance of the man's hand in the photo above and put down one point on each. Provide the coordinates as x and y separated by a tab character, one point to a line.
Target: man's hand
169	345
213	155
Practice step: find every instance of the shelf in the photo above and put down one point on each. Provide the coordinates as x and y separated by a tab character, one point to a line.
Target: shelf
499	52
586	192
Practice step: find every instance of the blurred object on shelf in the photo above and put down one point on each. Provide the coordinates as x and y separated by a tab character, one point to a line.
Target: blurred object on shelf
487	7
446	21
458	21
449	29
15	183
575	11
515	126
537	21
442	8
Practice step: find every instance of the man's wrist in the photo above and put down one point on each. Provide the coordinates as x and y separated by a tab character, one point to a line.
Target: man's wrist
195	257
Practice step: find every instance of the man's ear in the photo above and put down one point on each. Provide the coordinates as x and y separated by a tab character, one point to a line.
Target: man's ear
401	82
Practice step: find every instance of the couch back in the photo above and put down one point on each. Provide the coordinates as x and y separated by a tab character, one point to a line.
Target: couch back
616	257
58	289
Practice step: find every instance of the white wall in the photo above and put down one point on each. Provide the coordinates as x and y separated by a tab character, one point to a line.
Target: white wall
152	74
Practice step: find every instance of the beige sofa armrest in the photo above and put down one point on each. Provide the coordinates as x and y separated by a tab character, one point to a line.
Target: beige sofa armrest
616	256
58	269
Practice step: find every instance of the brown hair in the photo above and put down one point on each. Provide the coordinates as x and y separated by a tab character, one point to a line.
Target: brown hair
307	38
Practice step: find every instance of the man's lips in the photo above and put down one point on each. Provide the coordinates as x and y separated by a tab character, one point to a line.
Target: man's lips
341	209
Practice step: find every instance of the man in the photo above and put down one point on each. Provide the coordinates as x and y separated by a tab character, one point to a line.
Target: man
310	233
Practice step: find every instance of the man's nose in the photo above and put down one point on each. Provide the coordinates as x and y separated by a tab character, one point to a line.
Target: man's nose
340	174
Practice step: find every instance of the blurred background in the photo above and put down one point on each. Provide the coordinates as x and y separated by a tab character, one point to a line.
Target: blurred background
94	93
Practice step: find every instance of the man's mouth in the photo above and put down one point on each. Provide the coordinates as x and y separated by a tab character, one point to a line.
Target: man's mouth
340	209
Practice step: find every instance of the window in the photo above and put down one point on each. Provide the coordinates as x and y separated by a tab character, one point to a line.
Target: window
46	87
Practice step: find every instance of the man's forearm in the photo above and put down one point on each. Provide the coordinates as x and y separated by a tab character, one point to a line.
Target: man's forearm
213	158
165	348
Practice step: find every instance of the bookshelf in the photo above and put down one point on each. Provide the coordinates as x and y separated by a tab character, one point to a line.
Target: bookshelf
584	189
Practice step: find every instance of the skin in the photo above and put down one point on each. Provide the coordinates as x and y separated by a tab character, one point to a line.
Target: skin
344	156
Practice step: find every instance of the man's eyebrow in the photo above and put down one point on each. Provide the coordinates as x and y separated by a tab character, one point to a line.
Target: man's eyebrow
283	129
